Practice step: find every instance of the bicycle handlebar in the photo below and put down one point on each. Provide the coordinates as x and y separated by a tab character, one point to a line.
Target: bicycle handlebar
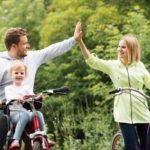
115	91
9	103
119	90
56	91
38	98
4	105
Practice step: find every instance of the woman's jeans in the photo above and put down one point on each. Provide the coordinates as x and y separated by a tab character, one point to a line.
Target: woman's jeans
130	133
21	118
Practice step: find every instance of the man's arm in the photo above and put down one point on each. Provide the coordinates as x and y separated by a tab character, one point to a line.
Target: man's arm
54	50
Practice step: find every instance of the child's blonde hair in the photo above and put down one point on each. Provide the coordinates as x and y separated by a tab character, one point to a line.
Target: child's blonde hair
17	65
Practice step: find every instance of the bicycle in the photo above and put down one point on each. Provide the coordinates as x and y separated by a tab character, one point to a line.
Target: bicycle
34	138
117	142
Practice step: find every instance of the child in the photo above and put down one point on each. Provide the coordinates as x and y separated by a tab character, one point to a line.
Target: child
18	114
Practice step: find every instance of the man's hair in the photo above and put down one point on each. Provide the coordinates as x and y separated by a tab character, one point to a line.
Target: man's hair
17	65
134	53
12	36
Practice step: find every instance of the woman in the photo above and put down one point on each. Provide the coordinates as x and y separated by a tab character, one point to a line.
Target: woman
126	71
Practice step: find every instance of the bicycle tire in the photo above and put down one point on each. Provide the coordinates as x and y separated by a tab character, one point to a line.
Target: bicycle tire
117	142
37	145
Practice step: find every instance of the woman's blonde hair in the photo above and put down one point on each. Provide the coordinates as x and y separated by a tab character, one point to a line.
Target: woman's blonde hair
134	52
17	65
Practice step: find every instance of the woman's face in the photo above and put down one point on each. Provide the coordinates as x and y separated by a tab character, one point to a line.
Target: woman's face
123	51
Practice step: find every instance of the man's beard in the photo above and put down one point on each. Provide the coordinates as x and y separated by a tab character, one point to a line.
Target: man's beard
22	55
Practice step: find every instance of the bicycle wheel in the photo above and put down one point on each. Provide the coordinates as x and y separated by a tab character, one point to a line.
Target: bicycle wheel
117	142
37	145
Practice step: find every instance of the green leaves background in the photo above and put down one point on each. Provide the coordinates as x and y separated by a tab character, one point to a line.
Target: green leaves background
83	119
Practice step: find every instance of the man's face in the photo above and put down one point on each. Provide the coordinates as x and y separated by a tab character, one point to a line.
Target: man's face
21	47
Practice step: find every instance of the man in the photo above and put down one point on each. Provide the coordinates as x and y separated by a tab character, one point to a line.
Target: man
16	43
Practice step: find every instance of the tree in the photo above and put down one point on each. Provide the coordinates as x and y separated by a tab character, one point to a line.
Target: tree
26	14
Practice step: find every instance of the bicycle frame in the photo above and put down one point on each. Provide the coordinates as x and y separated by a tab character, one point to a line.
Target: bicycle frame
32	136
32	133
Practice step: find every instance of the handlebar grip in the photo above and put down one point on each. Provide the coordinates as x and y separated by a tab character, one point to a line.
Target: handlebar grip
11	102
61	89
115	91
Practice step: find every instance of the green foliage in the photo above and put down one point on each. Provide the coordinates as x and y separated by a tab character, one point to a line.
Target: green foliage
25	14
64	21
88	121
83	119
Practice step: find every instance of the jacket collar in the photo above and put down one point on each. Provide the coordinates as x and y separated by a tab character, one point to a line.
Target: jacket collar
122	65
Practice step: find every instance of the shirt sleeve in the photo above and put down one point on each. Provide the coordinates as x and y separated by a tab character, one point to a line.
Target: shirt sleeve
1	75
146	77
8	94
29	91
41	56
2	71
99	64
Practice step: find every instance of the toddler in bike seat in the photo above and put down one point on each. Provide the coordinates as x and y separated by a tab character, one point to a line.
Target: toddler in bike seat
17	90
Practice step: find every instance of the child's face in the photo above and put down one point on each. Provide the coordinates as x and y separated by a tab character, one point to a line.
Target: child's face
18	75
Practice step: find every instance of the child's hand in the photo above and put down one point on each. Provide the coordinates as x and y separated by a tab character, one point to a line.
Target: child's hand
0	103
40	97
28	96
19	100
